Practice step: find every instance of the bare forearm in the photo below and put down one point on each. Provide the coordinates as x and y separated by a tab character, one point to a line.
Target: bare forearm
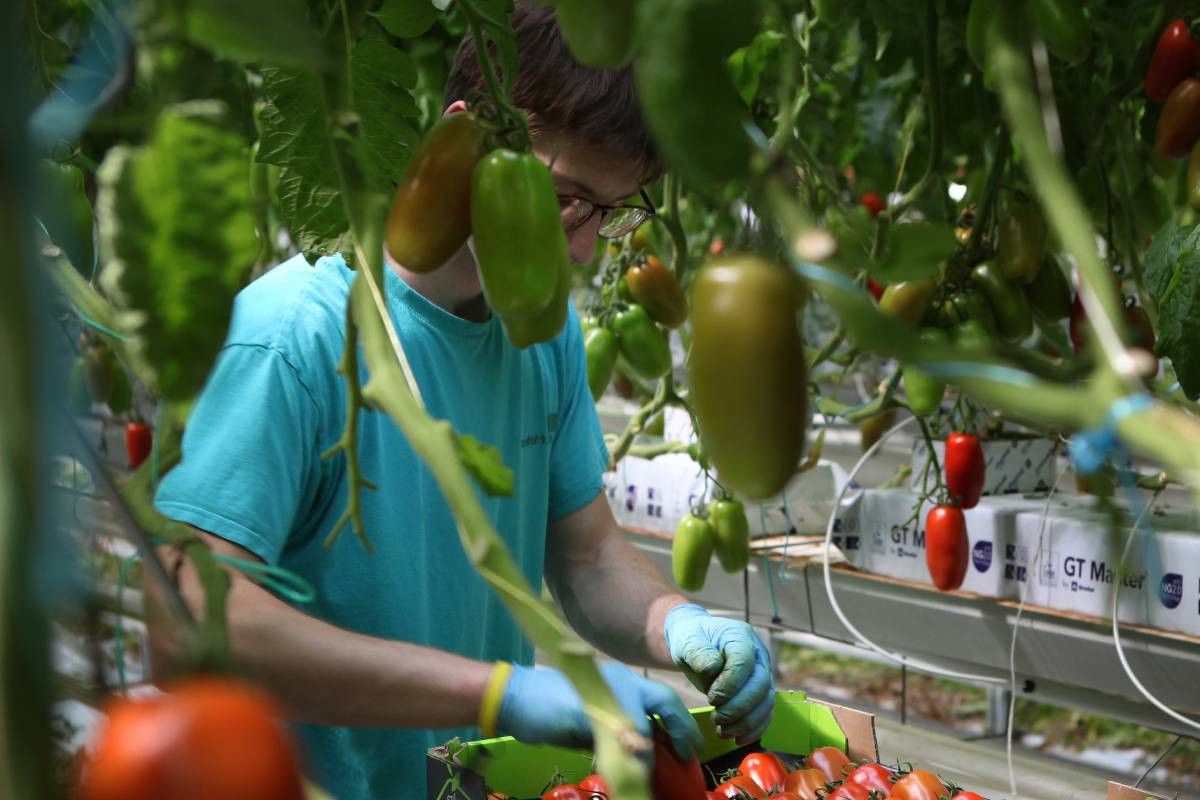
617	599
330	676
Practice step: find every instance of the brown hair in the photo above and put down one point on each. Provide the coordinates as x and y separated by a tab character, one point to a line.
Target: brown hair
562	96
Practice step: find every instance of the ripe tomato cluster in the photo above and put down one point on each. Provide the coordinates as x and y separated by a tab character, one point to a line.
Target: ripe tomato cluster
946	546
1171	79
825	774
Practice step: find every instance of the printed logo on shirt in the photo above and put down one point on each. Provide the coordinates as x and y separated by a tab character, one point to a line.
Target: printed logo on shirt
543	438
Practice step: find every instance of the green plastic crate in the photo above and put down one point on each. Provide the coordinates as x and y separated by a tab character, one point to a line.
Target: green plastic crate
522	770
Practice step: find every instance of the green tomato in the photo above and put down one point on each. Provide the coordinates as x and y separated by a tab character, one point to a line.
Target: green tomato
924	391
643	345
691	551
600	349
519	240
732	531
1014	317
747	372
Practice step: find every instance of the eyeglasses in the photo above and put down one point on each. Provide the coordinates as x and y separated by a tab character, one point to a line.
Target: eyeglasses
615	221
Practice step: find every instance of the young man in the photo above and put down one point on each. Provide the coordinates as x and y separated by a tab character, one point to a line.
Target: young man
398	649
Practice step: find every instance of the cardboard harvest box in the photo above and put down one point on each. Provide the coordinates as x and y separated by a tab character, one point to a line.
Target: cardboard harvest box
522	771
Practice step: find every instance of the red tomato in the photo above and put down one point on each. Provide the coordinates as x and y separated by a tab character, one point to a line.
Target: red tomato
737	787
919	785
831	761
765	769
850	791
717	247
807	783
947	548
207	737
965	469
566	791
673	778
875	288
968	796
138	442
872	202
1176	56
593	786
874	776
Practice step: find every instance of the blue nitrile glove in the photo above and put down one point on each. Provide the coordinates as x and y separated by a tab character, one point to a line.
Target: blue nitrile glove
725	659
540	706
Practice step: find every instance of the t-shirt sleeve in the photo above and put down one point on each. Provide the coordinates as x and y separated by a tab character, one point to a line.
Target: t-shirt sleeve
250	453
578	456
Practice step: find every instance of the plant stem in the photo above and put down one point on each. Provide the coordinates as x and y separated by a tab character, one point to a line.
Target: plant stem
512	117
662	395
983	214
933	101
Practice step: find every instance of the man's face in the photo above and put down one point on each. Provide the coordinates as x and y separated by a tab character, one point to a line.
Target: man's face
581	170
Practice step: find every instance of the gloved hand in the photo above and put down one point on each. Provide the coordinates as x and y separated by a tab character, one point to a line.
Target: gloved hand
540	706
725	659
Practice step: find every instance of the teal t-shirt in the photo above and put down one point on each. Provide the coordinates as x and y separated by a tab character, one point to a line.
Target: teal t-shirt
252	473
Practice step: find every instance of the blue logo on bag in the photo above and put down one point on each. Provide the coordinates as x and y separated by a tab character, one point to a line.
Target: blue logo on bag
981	555
1170	591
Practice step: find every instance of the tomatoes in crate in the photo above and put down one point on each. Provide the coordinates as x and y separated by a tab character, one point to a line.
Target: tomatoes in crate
737	788
674	778
919	785
765	769
873	776
565	791
594	788
206	737
807	783
831	761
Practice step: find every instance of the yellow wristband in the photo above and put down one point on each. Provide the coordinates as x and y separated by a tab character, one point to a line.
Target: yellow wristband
489	709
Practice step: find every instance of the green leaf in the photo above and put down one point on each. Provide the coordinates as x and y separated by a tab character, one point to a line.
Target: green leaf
407	19
266	31
750	62
294	133
314	213
485	465
383	76
177	233
497	28
295	136
1172	276
914	252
